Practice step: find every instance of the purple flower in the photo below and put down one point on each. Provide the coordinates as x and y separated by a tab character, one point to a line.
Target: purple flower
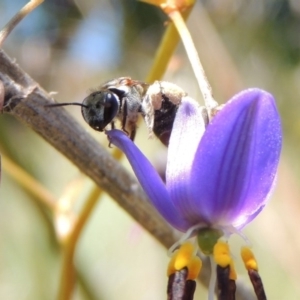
219	176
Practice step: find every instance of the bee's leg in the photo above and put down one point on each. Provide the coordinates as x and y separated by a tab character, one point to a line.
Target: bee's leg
112	126
124	119
132	133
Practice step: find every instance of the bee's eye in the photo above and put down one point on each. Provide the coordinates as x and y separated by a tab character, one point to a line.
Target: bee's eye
111	107
100	109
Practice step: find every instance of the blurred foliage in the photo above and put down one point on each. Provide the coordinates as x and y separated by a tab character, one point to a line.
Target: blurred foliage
72	46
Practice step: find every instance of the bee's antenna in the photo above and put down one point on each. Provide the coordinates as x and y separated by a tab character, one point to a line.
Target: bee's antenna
67	103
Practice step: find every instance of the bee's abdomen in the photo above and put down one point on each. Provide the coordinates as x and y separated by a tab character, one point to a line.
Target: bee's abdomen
164	119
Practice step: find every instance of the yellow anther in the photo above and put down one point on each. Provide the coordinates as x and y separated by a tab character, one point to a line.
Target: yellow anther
194	267
171	268
184	255
232	272
221	254
249	259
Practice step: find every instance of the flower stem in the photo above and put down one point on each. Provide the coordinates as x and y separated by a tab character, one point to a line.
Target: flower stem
192	54
67	279
213	278
165	51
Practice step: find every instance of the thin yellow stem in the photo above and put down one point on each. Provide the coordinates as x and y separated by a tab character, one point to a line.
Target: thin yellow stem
68	276
67	279
192	54
84	215
165	51
23	12
28	183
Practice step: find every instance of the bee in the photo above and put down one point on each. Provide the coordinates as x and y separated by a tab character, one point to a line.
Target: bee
159	108
116	99
125	99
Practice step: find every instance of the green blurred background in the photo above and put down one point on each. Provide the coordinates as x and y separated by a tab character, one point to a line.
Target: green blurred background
70	47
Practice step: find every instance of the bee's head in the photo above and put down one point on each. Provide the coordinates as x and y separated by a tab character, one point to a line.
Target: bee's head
100	108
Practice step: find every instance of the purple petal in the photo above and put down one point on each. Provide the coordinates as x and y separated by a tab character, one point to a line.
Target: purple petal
187	131
236	161
149	179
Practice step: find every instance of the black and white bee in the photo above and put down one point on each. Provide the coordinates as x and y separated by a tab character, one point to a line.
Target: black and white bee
124	99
